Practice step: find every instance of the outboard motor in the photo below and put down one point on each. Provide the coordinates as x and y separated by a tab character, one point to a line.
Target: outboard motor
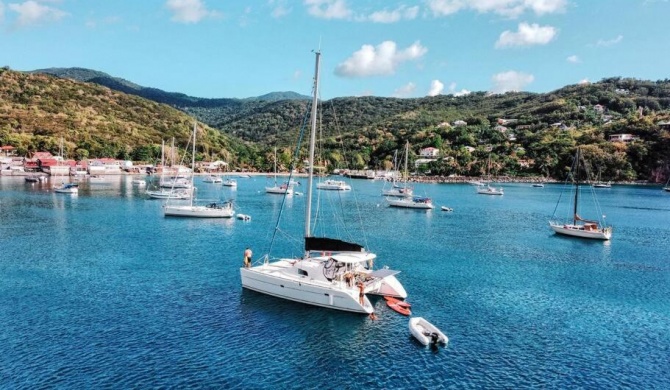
434	338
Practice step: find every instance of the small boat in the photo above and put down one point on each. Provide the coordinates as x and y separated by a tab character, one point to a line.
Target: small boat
426	333
399	306
243	217
139	182
333	185
230	183
445	208
32	179
539	185
416	202
212	179
67	188
488	190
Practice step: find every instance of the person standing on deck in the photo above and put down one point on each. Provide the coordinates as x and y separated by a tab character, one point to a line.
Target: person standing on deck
247	257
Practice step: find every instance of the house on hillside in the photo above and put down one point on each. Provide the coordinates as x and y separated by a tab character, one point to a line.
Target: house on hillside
500	128
664	125
622	138
505	122
444	124
460	123
599	108
429	152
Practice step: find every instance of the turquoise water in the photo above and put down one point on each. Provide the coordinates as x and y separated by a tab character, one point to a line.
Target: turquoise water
100	290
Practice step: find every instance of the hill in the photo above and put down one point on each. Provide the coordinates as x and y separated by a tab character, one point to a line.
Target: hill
513	134
36	110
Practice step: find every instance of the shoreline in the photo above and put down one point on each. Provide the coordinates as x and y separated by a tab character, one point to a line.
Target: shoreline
413	179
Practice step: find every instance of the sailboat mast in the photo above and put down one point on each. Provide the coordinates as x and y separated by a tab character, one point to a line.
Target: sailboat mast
195	128
574	214
275	166
312	142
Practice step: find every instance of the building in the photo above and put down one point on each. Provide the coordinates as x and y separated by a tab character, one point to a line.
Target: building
460	123
622	138
429	152
7	150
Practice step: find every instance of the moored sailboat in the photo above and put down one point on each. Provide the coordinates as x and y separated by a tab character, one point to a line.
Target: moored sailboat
411	202
332	273
575	225
210	210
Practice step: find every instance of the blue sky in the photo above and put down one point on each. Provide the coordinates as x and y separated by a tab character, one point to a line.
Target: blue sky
237	48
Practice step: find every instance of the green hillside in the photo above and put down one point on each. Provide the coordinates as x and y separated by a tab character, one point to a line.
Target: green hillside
512	134
36	110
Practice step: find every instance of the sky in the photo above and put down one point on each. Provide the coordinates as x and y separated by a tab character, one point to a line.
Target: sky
387	48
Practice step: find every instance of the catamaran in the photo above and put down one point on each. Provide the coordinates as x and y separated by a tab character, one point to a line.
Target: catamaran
332	273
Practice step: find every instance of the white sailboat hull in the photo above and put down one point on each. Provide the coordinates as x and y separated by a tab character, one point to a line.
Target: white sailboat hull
579	231
198	211
409	204
279	190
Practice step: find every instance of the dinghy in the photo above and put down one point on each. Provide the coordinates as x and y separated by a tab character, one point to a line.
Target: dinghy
445	208
426	333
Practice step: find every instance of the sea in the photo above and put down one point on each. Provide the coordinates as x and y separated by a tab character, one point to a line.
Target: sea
100	290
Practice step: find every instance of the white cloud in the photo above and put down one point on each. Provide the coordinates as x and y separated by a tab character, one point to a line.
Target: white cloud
462	92
609	42
436	88
32	13
573	59
279	8
510	81
405	91
189	11
328	9
507	8
401	13
380	60
527	35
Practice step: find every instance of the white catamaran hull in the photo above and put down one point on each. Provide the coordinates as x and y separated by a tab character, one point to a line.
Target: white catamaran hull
269	279
280	279
579	231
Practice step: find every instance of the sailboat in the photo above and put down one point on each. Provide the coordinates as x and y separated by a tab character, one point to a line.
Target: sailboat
282	189
667	186
575	225
332	273
600	183
413	202
398	190
486	188
211	210
167	193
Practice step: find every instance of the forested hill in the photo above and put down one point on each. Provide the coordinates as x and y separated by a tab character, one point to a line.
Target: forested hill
512	134
207	110
36	110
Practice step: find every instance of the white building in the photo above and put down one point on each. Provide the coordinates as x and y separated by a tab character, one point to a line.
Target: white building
429	152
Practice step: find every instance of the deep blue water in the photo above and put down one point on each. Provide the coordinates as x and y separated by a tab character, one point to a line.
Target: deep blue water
100	290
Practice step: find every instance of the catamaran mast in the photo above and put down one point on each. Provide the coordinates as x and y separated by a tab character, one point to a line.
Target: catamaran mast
312	141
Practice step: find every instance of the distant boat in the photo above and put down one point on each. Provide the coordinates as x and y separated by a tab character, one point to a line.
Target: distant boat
667	186
181	193
32	179
230	182
333	185
139	182
212	179
601	184
489	190
67	188
445	208
210	210
539	185
396	189
279	189
413	202
575	225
